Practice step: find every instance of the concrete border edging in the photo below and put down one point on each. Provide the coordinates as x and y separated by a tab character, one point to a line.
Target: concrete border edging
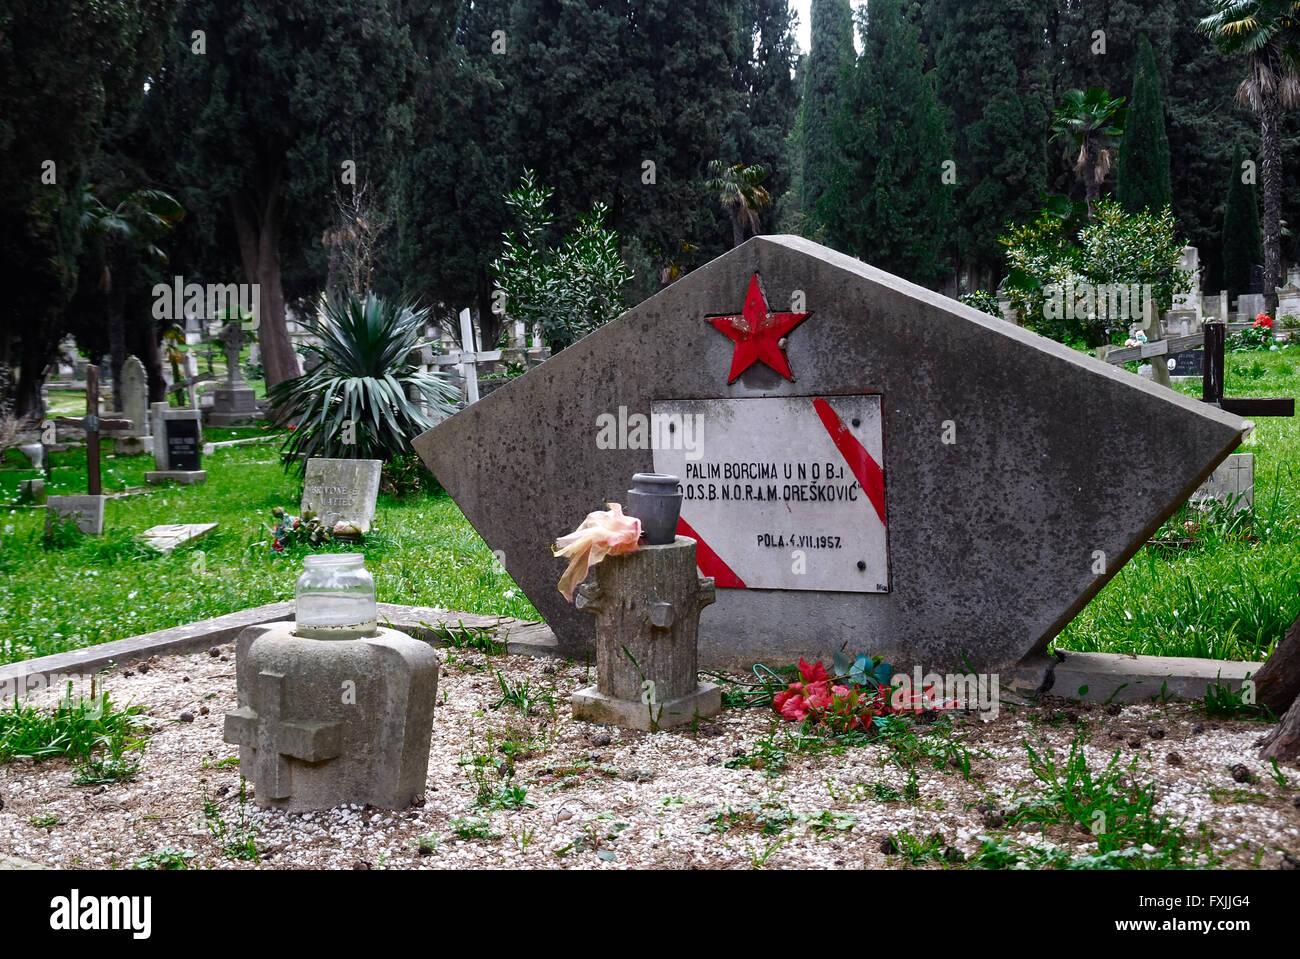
1090	677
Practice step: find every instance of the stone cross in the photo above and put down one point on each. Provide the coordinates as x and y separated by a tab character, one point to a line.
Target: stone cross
232	340
277	740
92	424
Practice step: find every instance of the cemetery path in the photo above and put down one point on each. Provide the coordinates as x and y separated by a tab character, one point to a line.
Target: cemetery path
604	798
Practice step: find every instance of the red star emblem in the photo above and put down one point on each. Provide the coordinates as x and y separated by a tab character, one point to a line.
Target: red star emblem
757	333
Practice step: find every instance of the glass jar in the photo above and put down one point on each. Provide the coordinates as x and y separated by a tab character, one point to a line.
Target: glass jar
335	598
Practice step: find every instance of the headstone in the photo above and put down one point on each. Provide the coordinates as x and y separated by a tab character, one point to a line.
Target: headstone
346	490
1232	483
988	481
31	491
182	438
1288	297
133	396
167	539
86	511
157	426
1256	282
1249	306
234	402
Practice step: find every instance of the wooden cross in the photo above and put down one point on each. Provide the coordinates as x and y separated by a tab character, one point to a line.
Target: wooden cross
92	424
1216	335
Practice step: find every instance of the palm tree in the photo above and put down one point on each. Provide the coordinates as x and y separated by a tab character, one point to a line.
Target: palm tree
740	193
1091	123
139	218
1264	33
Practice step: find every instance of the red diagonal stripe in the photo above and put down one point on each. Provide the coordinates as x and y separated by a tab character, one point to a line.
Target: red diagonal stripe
870	477
709	562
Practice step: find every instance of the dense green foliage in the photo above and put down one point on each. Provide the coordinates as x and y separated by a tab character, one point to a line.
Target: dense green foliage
1242	246
1049	260
1142	182
569	290
827	75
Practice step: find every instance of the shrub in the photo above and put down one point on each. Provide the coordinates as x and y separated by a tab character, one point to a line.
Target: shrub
355	404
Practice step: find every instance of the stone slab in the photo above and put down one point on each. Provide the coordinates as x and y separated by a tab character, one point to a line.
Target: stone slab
338	489
994	536
592	706
167	539
183	477
1124	678
183	440
87	511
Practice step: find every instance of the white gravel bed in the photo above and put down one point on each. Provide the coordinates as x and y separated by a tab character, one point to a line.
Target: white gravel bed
604	798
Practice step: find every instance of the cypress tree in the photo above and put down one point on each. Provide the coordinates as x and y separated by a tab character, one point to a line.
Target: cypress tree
828	73
896	209
1143	178
1241	234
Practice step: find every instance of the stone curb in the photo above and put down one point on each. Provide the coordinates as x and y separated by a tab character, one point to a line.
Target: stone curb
1090	677
419	621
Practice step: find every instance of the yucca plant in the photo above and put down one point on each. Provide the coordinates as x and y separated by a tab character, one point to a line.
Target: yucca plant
355	404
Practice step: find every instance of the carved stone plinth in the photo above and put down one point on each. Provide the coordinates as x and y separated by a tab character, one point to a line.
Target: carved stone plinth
326	722
647	607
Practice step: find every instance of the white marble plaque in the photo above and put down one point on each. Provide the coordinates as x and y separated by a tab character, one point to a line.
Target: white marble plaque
780	492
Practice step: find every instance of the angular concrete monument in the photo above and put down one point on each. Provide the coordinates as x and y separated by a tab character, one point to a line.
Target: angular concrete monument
866	464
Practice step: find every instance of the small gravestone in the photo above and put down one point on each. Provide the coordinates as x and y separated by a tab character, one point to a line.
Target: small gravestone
133	398
183	441
1232	483
86	511
866	464
339	490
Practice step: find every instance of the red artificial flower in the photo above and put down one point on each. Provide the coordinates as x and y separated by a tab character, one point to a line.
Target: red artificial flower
1264	320
791	704
813	674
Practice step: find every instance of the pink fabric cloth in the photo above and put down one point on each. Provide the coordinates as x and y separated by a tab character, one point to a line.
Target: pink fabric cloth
603	533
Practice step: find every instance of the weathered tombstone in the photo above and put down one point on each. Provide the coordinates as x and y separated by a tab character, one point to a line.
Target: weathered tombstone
1010	475
1189	302
168	538
1256	282
1288	297
182	438
1232	483
133	397
234	402
1249	306
342	490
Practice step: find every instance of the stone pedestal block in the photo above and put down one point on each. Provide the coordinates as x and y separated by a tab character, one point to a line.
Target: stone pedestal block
233	405
647	607
326	722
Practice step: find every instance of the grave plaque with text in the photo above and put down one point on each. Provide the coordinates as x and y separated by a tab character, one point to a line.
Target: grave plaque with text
183	444
782	492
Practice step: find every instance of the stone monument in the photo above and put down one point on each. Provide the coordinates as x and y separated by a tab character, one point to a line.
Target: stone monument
866	464
342	490
133	398
181	441
234	402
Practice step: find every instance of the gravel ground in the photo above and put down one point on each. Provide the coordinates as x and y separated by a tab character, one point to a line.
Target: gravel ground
604	798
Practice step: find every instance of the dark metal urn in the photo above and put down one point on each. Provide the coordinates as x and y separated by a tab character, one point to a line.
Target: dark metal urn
656	500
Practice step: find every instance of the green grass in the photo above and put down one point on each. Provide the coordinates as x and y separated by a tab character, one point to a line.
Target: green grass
1230	596
422	552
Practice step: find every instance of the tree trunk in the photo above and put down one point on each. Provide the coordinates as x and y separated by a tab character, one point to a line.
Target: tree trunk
737	229
116	339
490	325
258	225
1270	148
1277	684
1283	743
34	356
153	363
